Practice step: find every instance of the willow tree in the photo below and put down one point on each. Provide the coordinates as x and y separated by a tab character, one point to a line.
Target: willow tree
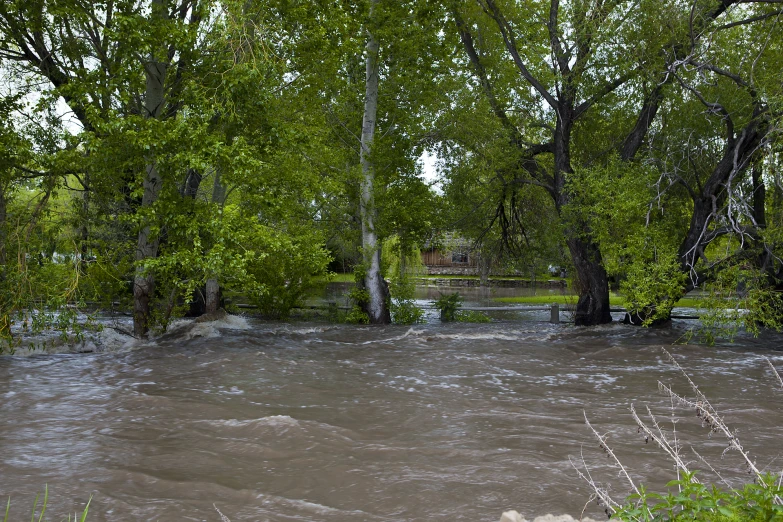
566	68
591	79
690	211
121	68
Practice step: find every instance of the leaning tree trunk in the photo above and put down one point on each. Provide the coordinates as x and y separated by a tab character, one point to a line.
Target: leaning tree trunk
737	156
147	244
376	306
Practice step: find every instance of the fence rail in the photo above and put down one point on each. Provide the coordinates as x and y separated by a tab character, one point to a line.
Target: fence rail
553	309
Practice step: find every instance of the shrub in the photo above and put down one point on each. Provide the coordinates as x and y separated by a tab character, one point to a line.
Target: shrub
448	304
688	498
405	311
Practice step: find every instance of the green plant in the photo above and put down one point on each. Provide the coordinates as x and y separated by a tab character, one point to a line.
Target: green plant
43	509
405	311
472	316
360	296
357	316
448	304
402	264
740	298
689	499
692	500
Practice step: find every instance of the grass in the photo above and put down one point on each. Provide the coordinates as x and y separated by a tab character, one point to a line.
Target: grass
337	278
691	302
614	300
552	298
491	278
349	278
43	509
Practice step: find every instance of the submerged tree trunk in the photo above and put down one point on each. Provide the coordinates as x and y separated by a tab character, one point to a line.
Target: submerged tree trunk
146	248
592	283
147	244
376	306
593	305
212	292
3	236
484	268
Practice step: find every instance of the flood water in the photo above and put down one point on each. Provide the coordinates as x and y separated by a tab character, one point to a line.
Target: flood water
341	423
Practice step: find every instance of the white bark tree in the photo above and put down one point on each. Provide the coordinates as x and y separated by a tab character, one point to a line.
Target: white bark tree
376	306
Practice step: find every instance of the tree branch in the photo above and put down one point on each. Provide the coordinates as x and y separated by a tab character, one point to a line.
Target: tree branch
492	10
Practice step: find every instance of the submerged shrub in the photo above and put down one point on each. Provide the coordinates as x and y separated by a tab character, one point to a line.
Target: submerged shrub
405	311
448	304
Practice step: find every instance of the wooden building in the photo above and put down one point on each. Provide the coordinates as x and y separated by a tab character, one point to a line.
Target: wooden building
458	256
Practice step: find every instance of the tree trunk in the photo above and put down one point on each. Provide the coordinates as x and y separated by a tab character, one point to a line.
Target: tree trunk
706	202
3	236
376	306
84	230
5	326
213	295
592	283
147	244
212	292
192	184
484	266
759	196
146	248
593	305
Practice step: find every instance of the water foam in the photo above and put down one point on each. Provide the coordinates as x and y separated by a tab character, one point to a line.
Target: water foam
501	335
513	516
187	329
282	422
107	340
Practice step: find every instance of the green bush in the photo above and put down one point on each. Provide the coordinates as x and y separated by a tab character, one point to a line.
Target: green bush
689	499
448	304
405	311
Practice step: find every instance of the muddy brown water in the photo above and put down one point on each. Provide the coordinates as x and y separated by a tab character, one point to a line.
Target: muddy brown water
340	423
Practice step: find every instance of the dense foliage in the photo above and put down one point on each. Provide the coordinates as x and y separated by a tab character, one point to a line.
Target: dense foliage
161	152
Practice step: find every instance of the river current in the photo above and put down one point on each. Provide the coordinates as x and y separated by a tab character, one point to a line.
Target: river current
308	422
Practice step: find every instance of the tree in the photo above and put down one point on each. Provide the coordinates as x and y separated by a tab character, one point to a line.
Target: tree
590	83
377	292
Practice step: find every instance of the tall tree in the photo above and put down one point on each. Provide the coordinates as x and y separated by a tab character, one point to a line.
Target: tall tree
378	294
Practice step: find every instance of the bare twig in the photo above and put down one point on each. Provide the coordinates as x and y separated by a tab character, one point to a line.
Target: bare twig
658	436
711	468
601	494
775	371
223	518
605	446
710	416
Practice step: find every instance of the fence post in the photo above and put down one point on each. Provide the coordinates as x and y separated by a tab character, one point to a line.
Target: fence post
554	313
